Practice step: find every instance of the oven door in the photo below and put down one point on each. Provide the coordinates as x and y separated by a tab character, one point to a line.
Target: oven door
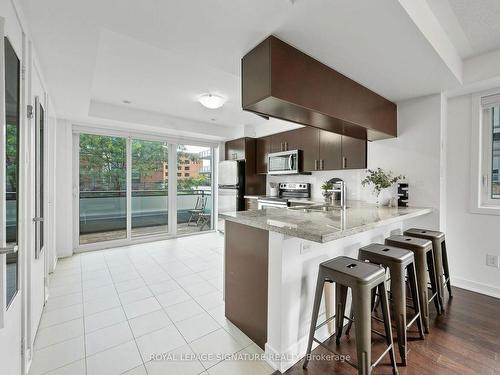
286	162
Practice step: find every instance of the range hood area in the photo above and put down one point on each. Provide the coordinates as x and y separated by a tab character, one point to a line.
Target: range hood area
282	82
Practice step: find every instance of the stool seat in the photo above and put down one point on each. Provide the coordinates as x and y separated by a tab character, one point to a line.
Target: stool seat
424	233
385	252
409	242
351	272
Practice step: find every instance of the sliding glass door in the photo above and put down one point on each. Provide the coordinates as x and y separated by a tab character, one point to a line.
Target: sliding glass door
103	183
194	189
149	187
124	188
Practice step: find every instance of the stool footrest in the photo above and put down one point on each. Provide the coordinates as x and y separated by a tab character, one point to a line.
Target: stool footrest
326	321
381	356
331	351
373	365
413	320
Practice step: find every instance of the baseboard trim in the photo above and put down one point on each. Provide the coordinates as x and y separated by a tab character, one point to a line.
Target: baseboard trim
474	286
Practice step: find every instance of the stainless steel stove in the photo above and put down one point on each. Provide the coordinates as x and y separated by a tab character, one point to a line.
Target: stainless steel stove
287	191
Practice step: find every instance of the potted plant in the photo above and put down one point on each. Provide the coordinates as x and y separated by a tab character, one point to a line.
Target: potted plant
381	180
327	187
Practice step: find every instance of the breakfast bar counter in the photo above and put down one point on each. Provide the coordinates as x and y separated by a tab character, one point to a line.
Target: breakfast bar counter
271	265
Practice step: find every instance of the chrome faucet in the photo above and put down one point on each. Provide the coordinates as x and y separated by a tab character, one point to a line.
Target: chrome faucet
339	189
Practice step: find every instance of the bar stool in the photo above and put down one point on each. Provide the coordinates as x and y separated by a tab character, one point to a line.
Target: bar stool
424	263
362	278
440	258
398	261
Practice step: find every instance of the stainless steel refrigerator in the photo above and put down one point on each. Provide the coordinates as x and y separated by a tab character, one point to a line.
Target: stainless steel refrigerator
231	189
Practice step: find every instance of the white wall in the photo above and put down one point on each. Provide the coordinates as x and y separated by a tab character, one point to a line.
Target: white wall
416	153
469	236
63	195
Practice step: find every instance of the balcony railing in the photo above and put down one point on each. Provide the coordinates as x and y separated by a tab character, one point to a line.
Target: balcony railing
104	211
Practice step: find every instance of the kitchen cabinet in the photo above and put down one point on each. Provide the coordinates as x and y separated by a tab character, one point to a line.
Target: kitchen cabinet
277	80
330	151
321	149
263	148
245	149
353	153
235	149
305	139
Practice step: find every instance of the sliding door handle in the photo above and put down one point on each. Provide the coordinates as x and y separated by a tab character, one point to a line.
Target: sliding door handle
37	219
9	250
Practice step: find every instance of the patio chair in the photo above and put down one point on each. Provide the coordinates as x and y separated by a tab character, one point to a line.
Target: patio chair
199	208
203	219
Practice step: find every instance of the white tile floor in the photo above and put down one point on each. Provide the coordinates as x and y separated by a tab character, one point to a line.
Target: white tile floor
110	311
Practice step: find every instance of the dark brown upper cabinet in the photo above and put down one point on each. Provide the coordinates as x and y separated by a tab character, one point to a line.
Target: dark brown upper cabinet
353	153
330	151
235	149
246	149
282	82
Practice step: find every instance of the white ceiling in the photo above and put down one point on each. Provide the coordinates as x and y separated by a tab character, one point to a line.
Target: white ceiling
161	54
472	25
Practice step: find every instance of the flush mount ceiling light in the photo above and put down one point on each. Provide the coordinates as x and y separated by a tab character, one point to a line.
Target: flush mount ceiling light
211	101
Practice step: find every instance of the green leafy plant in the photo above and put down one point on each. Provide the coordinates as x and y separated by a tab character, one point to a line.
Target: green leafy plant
327	185
380	179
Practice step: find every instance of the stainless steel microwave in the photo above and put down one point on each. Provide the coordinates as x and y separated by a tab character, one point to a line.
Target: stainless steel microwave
286	162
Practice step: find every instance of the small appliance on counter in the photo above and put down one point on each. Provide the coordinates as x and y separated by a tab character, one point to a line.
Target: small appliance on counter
274	189
402	194
288	191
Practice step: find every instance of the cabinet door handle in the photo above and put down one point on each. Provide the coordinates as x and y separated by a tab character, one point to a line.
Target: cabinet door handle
344	162
286	146
322	164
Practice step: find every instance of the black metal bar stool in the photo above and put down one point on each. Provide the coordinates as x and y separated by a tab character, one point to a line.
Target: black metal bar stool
424	264
440	258
398	261
362	278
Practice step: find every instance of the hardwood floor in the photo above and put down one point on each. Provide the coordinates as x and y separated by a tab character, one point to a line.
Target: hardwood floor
464	340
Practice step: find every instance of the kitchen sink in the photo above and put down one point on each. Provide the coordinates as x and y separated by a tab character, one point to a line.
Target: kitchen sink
317	208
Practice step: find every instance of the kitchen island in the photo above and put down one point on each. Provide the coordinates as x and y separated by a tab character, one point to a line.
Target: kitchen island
271	265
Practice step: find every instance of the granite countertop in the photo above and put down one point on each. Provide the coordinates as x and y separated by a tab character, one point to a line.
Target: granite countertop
324	226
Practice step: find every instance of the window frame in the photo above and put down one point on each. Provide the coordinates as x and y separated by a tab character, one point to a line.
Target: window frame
481	153
95	129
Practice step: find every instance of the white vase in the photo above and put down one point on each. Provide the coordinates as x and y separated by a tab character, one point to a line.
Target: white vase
384	197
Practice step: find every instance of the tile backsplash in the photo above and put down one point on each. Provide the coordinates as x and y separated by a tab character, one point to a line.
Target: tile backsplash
352	180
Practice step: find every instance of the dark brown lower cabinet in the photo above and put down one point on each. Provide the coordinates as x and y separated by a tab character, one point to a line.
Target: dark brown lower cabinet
246	269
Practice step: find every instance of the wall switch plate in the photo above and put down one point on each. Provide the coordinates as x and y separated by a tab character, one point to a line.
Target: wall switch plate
493	260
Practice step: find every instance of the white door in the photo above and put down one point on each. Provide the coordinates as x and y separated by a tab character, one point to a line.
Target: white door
10	264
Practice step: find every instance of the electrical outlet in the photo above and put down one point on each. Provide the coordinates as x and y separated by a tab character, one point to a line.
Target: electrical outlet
305	247
493	260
